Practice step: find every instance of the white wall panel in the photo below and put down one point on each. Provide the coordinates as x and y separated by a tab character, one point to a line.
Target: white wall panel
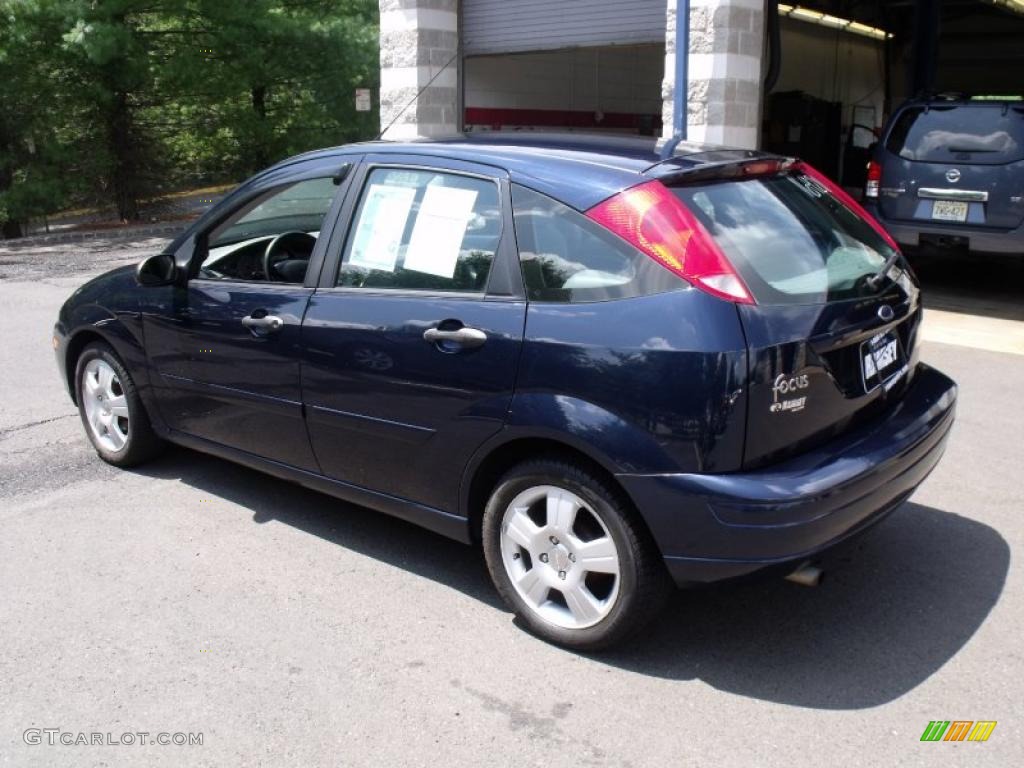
506	26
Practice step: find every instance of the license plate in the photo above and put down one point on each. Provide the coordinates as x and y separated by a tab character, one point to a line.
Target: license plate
881	358
949	210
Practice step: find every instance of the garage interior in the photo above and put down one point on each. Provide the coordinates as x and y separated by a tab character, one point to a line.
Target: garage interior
841	67
538	64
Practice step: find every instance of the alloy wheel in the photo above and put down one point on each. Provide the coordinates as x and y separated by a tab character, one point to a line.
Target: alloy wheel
106	408
560	557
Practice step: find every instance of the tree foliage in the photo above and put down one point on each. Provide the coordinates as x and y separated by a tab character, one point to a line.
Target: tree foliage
110	101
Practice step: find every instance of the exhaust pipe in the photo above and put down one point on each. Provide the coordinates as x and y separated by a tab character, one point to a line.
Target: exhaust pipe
806	575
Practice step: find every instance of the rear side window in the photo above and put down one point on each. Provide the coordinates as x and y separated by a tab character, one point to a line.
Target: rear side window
565	257
983	135
790	240
422	230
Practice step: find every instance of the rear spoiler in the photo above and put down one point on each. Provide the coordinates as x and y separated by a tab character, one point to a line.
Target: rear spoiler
764	165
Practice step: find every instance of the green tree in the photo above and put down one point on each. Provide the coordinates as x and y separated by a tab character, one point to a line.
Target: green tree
109	101
107	50
31	153
279	77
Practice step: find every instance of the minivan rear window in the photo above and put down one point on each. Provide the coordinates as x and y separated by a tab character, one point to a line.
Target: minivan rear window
791	241
983	135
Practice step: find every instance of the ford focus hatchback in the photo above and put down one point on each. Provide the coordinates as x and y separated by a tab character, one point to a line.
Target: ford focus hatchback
614	372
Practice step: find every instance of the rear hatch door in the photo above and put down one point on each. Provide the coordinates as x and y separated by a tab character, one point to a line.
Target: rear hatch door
830	346
955	165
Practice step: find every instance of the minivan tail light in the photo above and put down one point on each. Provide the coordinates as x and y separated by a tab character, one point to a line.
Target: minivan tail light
874	179
652	219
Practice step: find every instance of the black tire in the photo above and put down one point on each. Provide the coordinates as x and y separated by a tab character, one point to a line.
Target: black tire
643	582
142	443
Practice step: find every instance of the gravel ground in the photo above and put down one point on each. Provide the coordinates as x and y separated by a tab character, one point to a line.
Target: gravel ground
62	260
290	629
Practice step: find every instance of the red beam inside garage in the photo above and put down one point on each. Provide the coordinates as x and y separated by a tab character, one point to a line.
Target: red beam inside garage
562	118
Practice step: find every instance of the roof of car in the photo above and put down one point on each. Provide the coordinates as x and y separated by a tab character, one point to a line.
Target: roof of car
578	169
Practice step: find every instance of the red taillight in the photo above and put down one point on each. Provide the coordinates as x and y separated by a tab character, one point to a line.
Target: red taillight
874	179
652	219
840	194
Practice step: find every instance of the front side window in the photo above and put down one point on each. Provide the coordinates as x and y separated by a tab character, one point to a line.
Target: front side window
272	237
422	230
566	257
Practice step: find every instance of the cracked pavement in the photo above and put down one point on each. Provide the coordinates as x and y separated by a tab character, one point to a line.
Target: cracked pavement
193	595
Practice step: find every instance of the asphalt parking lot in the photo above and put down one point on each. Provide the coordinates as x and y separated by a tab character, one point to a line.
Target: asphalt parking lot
291	629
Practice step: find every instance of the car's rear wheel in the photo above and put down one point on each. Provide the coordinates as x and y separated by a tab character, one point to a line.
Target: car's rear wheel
568	556
112	411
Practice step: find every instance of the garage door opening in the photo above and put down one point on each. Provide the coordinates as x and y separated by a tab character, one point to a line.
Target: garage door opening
600	88
593	65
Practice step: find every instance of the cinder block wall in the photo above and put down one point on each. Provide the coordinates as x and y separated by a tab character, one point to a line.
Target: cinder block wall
417	39
725	71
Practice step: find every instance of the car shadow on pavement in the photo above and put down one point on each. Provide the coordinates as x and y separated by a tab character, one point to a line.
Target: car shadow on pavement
974	284
359	529
894	606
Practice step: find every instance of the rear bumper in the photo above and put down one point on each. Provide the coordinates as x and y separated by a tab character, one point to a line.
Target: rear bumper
908	235
712	527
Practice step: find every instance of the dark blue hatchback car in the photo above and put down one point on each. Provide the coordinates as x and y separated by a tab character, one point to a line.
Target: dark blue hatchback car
614	371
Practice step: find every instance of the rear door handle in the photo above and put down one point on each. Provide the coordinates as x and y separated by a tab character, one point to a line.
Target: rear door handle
267	323
465	337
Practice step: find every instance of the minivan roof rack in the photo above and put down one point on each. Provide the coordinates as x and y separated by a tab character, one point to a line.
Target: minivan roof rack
962	96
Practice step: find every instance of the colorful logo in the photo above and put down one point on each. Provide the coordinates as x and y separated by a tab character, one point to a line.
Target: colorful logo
958	730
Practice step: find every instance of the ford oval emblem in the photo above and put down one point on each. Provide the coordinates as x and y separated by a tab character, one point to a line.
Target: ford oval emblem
885	313
953	175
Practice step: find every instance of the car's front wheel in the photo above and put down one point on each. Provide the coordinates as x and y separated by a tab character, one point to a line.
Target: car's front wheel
568	556
112	411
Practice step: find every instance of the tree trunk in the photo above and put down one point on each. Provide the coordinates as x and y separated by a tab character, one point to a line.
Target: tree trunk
260	156
10	228
124	176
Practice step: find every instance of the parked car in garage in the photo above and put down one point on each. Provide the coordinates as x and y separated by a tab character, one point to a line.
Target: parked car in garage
612	370
949	173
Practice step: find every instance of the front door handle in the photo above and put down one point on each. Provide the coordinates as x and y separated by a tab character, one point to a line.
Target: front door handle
267	323
465	337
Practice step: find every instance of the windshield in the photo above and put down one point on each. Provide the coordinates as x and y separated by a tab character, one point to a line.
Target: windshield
984	135
791	241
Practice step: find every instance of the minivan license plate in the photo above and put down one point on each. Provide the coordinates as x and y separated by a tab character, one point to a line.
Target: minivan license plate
949	210
881	358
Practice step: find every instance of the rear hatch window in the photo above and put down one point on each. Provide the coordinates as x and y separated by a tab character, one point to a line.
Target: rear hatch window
791	241
983	135
829	346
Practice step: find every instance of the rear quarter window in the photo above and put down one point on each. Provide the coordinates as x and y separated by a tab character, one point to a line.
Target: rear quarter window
983	135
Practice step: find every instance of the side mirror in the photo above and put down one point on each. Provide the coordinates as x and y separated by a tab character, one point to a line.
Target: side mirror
157	270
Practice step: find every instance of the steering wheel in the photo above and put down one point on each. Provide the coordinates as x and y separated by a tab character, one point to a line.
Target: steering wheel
293	245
